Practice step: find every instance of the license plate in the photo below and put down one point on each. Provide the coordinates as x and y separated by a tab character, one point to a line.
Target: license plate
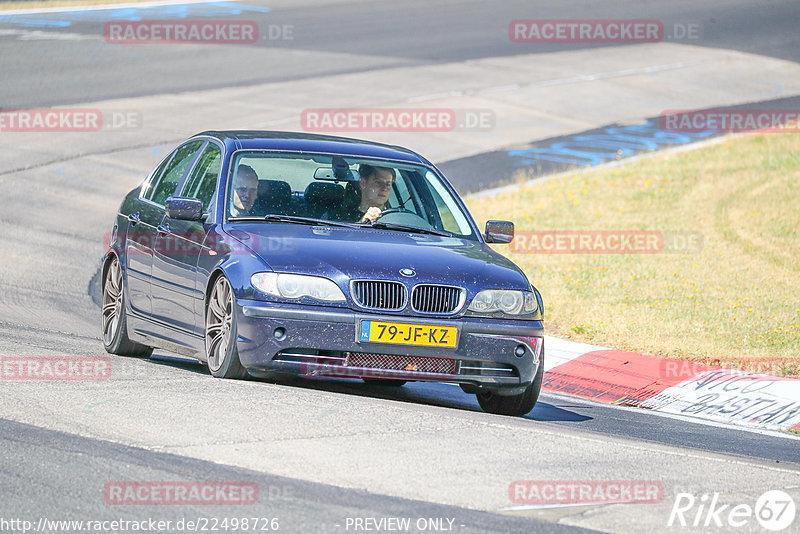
427	335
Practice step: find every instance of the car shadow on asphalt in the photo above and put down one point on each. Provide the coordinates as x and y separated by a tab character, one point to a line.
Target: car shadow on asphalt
548	412
187	364
427	393
431	394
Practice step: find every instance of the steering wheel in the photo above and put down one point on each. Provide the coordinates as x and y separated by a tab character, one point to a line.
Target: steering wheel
397	210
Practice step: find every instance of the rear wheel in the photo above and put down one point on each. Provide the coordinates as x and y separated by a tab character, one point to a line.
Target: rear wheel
516	405
114	319
222	353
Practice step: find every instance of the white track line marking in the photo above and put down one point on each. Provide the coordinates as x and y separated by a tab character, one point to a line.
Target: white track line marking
71	9
557	81
40	35
685	418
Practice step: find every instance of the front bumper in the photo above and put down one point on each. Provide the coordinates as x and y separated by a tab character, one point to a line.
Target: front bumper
501	355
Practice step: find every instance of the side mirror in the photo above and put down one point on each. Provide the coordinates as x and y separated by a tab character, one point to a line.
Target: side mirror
499	231
184	209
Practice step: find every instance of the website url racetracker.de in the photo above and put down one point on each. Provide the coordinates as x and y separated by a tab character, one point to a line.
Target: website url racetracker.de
120	526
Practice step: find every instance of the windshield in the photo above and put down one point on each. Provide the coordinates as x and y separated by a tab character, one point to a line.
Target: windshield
320	188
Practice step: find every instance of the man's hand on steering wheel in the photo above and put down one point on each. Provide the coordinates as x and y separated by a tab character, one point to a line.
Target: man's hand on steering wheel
372	215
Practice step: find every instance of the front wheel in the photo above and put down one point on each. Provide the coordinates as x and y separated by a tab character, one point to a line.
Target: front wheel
516	405
115	323
222	354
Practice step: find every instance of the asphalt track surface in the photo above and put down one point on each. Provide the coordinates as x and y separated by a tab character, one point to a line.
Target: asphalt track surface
363	36
299	506
331	450
542	157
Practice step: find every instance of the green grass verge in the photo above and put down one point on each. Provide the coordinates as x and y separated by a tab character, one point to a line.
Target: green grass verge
735	301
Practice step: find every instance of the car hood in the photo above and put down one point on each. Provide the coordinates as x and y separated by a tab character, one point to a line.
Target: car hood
343	254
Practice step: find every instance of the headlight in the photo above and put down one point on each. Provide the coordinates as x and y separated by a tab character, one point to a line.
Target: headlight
507	301
295	286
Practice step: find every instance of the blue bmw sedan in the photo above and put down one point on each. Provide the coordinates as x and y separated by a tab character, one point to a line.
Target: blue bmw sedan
273	253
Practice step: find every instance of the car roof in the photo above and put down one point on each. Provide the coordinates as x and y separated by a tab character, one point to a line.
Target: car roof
306	142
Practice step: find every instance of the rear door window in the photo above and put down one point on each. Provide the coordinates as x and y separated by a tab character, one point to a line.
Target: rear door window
203	181
154	176
175	171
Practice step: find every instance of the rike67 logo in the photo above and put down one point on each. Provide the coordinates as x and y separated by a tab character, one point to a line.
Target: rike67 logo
774	510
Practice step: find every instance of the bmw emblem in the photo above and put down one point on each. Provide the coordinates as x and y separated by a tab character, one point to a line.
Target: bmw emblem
408	272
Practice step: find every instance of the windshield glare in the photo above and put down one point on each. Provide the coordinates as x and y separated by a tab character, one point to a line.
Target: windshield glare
343	189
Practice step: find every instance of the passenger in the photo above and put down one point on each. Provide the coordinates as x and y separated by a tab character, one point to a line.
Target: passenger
365	200
245	192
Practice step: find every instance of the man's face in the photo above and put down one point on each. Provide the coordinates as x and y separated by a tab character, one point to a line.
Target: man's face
245	191
375	190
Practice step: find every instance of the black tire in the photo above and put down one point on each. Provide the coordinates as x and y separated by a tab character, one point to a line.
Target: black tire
515	405
222	354
384	382
114	321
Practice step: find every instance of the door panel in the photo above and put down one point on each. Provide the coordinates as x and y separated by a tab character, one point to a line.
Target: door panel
139	241
152	215
177	299
174	263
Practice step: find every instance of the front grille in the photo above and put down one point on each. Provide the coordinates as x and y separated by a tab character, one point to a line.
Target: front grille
437	299
414	364
379	295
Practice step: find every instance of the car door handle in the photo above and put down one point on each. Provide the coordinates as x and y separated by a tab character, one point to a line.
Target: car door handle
163	229
134	219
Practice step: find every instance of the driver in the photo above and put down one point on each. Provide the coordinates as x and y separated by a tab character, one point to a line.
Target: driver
371	194
245	192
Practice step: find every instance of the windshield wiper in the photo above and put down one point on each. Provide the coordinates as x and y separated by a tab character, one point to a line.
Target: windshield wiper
404	228
274	217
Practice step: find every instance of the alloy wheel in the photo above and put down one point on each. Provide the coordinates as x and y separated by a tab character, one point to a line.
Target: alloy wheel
112	301
219	323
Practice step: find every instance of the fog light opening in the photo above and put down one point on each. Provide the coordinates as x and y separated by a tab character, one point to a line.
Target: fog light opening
279	333
519	352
